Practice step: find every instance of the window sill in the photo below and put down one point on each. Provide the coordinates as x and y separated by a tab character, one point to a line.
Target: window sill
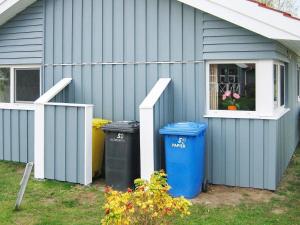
17	106
245	114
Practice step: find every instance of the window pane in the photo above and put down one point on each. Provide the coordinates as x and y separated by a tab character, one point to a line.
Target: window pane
275	85
27	84
4	84
282	88
298	82
232	85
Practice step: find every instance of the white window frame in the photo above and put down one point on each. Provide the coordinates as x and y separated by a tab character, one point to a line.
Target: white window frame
13	104
264	94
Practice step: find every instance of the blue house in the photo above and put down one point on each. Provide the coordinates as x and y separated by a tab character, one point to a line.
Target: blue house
63	62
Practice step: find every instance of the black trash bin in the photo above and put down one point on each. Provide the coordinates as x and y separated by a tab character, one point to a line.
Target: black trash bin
122	154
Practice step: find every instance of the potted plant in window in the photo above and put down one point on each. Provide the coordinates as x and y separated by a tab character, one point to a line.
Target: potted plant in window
230	100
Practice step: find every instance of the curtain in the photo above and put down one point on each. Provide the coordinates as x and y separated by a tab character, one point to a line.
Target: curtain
213	86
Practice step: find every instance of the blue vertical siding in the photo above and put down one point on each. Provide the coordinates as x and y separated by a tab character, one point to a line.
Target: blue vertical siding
242	152
64	143
16	135
113	49
288	125
21	38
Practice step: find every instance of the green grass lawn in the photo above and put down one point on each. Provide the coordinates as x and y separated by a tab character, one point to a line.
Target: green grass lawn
50	202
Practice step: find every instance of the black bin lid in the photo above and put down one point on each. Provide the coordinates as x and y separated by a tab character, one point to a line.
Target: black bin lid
122	126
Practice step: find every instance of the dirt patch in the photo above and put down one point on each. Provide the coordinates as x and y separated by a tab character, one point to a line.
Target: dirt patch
20	170
87	198
48	201
99	183
279	211
25	220
218	195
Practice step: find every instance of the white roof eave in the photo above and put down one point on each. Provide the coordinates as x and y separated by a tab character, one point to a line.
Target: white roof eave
10	8
249	15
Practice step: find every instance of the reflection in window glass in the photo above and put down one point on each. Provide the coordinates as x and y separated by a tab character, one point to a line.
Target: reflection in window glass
27	84
275	85
282	83
232	86
298	82
4	84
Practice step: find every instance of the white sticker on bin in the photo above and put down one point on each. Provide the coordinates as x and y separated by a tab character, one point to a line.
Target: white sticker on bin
180	143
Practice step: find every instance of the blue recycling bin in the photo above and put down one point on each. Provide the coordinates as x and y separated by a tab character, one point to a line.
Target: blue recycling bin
185	155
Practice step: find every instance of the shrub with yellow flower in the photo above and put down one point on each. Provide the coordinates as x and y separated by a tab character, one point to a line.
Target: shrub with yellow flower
148	204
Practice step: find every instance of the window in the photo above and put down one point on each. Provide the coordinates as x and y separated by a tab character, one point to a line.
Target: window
19	84
232	86
298	82
246	89
27	85
279	84
4	84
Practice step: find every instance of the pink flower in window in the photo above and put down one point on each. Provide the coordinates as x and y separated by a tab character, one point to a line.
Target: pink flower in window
224	97
236	96
227	93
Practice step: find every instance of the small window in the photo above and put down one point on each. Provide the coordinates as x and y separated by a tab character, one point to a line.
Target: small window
232	86
5	85
279	85
19	84
27	85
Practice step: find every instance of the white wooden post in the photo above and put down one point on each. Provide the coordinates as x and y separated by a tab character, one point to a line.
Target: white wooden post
147	127
147	142
39	125
88	145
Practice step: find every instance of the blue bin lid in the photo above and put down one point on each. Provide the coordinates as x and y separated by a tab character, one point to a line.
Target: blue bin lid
184	128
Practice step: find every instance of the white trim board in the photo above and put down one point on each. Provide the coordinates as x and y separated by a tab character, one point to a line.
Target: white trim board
247	115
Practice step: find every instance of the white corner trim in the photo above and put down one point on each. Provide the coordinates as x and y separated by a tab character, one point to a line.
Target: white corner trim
88	176
39	151
52	92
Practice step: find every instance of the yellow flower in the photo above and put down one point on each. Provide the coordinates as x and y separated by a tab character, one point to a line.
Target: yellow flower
149	201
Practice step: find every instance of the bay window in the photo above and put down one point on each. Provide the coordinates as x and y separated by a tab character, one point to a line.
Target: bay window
19	84
232	86
245	89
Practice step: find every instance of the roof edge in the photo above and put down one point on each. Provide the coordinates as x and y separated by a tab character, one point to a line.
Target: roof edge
10	8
